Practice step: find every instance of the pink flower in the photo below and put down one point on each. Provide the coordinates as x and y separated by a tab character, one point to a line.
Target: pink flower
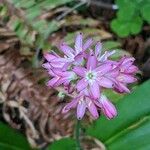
86	73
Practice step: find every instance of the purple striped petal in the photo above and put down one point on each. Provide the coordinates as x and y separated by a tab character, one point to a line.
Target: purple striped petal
121	88
132	69
78	43
67	50
103	69
52	82
87	44
98	49
105	82
92	108
70	105
49	57
108	108
125	78
80	71
82	84
46	65
95	90
91	62
81	109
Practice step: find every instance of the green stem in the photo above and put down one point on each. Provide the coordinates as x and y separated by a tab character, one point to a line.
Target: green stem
77	135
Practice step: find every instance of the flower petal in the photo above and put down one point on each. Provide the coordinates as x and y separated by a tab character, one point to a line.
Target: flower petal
121	88
105	82
108	108
67	50
95	90
70	105
92	62
92	108
46	65
52	82
81	109
98	49
105	56
82	84
78	43
125	78
87	44
103	69
80	71
49	56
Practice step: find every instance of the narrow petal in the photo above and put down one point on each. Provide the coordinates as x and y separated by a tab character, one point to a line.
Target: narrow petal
92	108
61	81
125	78
108	108
49	56
80	71
95	90
132	70
82	84
66	50
105	56
98	49
87	44
103	69
57	65
78	43
105	82
81	109
60	60
70	105
92	62
52	82
121	88
46	65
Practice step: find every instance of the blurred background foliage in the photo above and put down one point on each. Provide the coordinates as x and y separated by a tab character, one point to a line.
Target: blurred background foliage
28	28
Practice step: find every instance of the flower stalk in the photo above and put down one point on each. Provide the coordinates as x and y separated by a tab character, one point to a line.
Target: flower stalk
77	135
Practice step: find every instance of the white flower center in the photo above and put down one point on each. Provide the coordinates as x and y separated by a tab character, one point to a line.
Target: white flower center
91	76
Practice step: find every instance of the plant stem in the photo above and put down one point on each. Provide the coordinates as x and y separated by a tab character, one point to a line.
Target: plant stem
77	135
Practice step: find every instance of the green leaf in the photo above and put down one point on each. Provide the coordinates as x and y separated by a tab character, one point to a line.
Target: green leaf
111	45
63	144
131	123
122	28
136	25
145	11
11	139
126	13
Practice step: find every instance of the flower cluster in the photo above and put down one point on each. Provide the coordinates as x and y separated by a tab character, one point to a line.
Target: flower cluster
87	72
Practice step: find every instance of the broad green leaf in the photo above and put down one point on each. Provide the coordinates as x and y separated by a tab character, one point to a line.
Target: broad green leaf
122	28
127	13
63	144
145	11
132	111
10	139
134	137
136	25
